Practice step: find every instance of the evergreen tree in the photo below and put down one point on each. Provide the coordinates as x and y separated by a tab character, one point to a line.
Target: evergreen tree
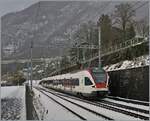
130	32
64	62
18	78
105	27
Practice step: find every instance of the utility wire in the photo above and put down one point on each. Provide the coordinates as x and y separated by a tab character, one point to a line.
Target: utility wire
59	44
37	14
132	10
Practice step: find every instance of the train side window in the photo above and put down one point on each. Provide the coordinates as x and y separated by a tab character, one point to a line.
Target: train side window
87	81
75	82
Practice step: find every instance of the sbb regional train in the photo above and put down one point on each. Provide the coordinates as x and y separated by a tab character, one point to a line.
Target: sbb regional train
92	82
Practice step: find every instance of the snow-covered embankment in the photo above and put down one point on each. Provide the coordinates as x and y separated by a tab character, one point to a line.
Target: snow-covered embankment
13	106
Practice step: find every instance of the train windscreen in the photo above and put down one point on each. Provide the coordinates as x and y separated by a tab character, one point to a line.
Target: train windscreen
99	75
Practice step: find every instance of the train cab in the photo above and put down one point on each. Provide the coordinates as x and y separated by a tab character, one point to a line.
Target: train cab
95	83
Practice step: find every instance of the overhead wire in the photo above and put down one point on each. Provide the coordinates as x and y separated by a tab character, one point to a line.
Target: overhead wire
132	10
104	7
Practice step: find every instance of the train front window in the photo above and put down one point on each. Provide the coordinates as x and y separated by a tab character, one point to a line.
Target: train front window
99	75
87	81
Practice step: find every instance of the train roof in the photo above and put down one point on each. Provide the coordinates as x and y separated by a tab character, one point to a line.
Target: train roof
75	74
66	76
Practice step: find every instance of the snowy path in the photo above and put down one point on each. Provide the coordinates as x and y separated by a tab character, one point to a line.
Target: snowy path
13	103
111	114
55	111
81	111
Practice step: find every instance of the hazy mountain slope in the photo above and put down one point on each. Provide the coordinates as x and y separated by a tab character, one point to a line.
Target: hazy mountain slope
46	23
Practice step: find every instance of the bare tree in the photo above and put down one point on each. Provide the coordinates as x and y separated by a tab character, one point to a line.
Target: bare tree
106	28
142	27
123	15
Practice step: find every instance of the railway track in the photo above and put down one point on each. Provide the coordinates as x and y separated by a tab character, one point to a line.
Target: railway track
80	106
132	111
120	109
125	106
129	100
62	105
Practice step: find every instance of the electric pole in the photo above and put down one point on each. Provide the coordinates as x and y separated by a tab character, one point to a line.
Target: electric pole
99	44
28	72
31	61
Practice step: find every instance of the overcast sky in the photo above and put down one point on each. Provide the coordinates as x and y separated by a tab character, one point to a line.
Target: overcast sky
7	6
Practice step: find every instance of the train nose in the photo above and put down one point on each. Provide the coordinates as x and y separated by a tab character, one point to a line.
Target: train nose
101	85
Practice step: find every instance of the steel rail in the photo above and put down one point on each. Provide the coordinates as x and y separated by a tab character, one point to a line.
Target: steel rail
103	105
81	117
130	101
125	106
92	111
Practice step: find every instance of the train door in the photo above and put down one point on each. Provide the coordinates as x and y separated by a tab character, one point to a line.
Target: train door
81	85
87	85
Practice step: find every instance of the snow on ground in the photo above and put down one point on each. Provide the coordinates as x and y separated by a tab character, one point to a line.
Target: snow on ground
109	113
49	110
126	99
13	103
127	64
86	114
128	104
34	82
